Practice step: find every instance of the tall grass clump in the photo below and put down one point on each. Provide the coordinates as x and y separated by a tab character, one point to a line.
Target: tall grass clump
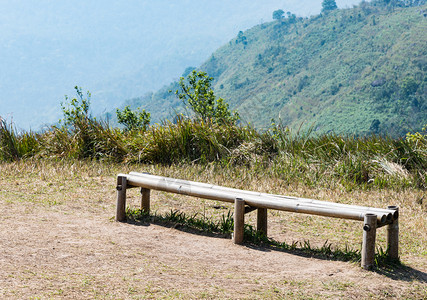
86	139
365	161
189	140
14	145
81	136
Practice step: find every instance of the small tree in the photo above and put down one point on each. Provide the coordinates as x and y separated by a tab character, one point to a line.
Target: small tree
196	92
76	109
241	38
408	87
133	120
278	14
328	5
419	138
375	126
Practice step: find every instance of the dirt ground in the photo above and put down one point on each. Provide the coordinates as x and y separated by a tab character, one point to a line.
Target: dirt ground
61	242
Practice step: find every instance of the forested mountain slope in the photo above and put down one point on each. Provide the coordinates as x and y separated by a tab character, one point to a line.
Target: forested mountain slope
357	71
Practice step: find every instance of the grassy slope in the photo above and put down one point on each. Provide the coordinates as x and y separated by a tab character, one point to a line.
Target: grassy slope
319	71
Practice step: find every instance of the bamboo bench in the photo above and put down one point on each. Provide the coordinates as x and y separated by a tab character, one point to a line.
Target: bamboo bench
246	201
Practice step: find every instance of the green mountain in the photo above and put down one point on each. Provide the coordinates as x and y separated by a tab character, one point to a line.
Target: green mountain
353	71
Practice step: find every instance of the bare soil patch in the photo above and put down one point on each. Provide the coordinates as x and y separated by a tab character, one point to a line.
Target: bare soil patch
58	240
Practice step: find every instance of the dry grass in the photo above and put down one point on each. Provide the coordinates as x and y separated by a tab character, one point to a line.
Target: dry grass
69	204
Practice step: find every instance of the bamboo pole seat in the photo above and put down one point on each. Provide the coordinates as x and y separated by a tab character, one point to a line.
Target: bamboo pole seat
245	201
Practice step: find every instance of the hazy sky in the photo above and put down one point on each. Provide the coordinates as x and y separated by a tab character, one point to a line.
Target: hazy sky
115	49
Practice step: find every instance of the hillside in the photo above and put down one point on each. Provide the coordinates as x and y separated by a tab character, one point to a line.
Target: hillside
354	71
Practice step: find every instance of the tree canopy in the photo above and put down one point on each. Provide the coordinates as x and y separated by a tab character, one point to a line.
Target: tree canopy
328	5
278	14
196	92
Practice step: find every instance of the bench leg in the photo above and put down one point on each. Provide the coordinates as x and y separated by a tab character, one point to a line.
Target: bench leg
145	200
368	245
393	237
239	220
121	198
262	220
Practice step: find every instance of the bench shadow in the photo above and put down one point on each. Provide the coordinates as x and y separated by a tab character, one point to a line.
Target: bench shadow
149	220
393	270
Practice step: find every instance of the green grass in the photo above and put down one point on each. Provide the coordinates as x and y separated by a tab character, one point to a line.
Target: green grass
223	226
316	160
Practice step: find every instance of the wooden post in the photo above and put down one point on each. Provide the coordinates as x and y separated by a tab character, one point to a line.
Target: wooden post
368	245
262	220
239	220
121	198
393	236
145	200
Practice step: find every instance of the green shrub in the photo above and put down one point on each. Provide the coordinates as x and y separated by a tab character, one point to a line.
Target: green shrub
196	92
418	138
133	120
76	110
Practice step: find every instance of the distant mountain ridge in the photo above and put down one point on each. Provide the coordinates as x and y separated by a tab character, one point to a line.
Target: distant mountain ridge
353	71
115	49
